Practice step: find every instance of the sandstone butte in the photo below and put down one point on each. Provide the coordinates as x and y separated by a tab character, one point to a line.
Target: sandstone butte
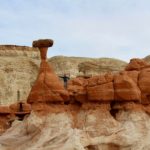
104	112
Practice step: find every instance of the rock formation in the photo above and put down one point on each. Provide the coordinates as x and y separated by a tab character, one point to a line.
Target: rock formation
75	66
104	112
19	67
47	87
18	70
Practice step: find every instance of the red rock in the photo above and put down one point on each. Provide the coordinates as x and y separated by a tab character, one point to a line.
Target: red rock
136	64
4	118
47	87
103	92
144	85
101	79
133	75
4	110
77	89
43	43
93	81
126	89
79	81
14	108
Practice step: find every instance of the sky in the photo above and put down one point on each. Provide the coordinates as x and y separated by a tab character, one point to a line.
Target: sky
86	28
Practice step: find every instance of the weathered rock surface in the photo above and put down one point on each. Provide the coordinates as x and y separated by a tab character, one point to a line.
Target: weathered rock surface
136	64
15	108
105	112
47	87
125	88
92	127
81	65
21	51
19	69
4	118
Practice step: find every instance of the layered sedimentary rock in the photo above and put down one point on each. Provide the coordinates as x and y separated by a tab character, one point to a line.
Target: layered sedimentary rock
19	67
105	112
20	107
76	66
47	87
126	88
18	70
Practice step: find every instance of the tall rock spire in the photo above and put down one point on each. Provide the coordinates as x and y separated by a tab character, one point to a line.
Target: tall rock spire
47	87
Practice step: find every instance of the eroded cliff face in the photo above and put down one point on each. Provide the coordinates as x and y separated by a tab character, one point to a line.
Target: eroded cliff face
18	70
76	66
19	67
104	112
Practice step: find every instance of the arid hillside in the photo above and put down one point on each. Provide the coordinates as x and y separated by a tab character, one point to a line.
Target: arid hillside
75	66
19	68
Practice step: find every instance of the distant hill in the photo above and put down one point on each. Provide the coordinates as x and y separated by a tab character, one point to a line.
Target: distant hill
82	65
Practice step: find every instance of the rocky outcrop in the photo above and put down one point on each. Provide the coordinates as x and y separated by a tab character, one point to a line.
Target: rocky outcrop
22	51
4	118
123	86
18	70
47	87
101	112
136	64
76	66
19	67
126	88
101	66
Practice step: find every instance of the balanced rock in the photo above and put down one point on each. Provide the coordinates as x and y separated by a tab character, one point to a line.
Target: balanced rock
42	43
47	87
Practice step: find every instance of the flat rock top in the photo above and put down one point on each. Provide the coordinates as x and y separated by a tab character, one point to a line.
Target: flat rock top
42	43
17	47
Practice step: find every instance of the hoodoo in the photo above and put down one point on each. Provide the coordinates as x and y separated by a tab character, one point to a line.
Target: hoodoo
109	111
47	87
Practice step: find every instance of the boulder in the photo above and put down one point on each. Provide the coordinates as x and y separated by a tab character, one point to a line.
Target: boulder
125	88
42	43
77	90
100	79
136	64
102	92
